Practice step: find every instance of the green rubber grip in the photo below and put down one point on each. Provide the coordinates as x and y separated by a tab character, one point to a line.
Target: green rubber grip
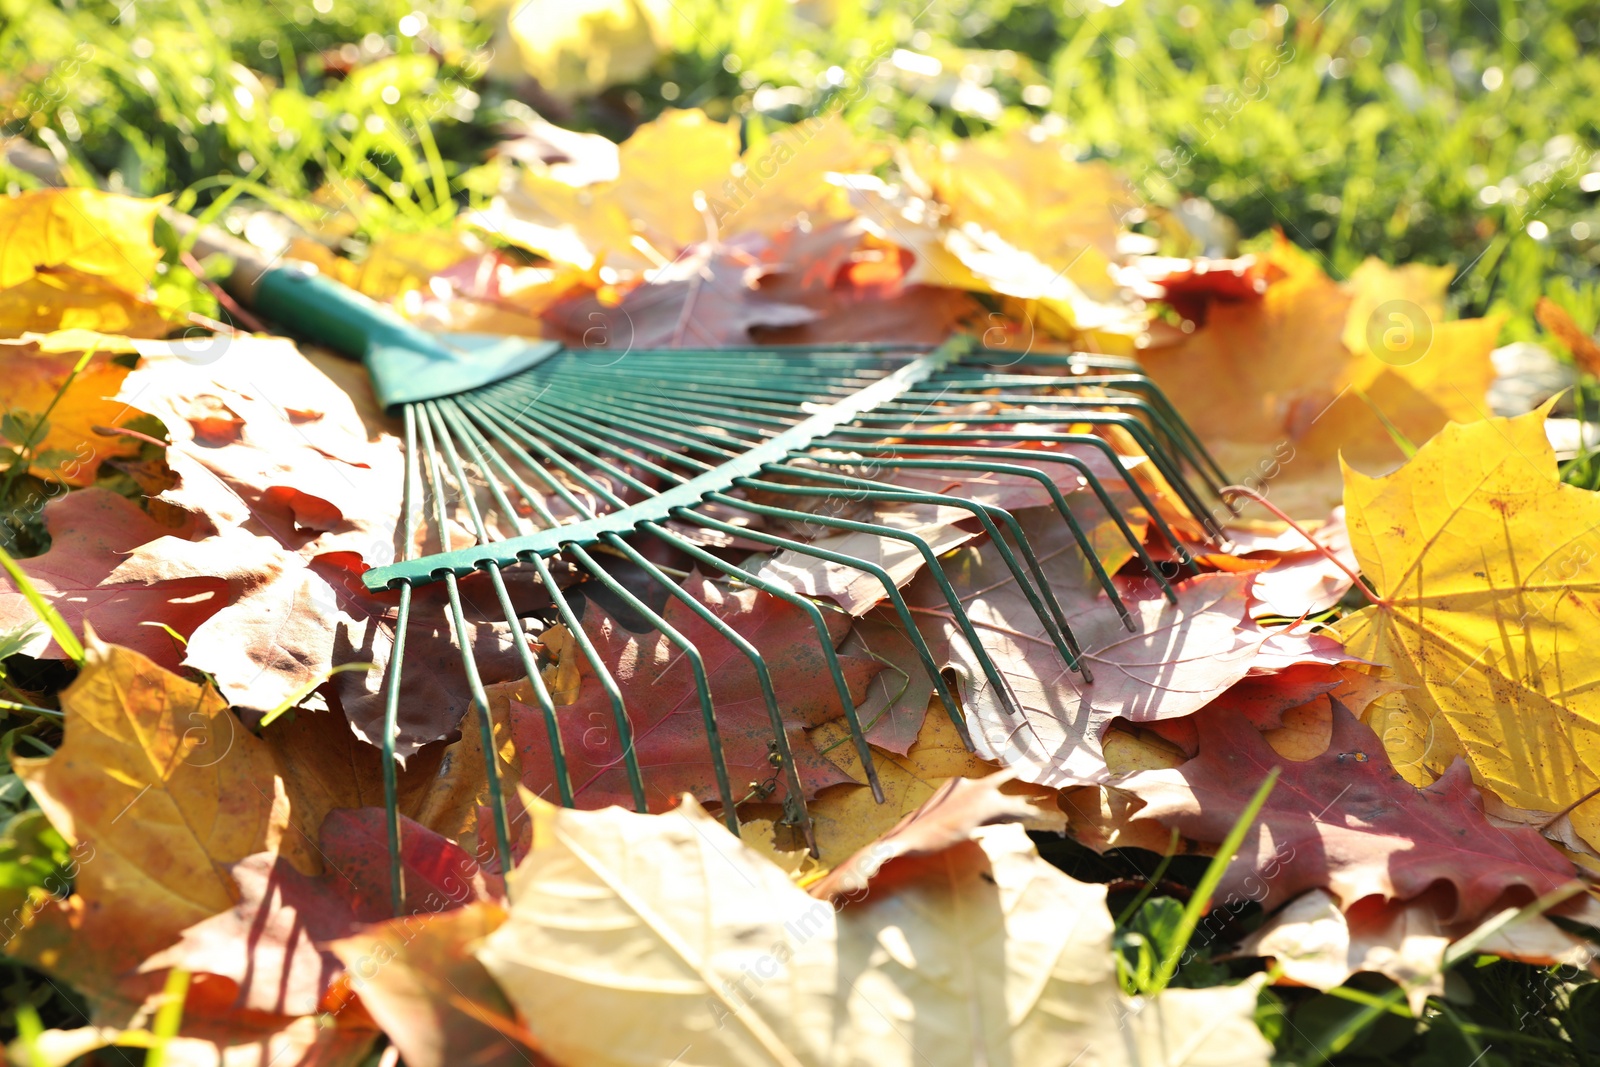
321	310
407	364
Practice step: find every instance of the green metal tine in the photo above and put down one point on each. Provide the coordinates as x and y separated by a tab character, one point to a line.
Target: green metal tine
984	512
604	421
663	436
891	592
619	710
1137	381
702	682
763	677
1042	600
895	450
624	405
958	614
391	697
1164	465
1056	498
586	649
1090	405
458	620
1178	443
1060	502
825	640
484	458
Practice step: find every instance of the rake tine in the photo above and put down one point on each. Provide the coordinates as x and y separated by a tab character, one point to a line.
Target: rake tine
1135	379
485	457
598	415
702	683
893	451
1136	429
988	515
1090	404
489	422
1056	497
541	692
1042	600
1087	440
458	620
476	448
563	431
1178	444
1095	565
891	592
620	404
397	657
764	677
957	613
619	710
824	639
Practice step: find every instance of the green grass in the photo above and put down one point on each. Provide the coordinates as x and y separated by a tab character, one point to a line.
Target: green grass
1453	132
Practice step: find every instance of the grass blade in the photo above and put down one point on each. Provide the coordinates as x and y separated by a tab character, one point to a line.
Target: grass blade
1197	906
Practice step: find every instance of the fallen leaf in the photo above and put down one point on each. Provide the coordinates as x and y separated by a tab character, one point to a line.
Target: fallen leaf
393	265
101	238
272	943
202	792
421	981
713	955
1556	319
1271	388
1344	821
708	298
846	818
942	822
66	299
651	202
1318	945
1048	720
1484	561
63	446
91	534
1375	283
1307	581
295	479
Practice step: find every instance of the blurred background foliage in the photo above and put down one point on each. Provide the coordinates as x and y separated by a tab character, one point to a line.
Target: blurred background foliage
1460	133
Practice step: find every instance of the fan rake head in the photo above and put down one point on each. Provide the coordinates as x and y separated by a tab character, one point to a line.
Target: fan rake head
580	470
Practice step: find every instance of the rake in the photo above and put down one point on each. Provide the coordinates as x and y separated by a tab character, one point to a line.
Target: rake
666	446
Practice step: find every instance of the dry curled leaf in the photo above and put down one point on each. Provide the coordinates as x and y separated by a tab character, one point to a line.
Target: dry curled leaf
716	958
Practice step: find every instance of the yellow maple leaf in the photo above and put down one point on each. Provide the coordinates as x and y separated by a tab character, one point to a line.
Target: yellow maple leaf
53	399
97	233
1486	565
679	180
77	258
578	47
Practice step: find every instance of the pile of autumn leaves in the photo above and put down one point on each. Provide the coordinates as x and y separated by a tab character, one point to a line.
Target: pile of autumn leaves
1436	748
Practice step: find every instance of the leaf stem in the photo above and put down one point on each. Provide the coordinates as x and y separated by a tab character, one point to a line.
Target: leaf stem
1317	546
